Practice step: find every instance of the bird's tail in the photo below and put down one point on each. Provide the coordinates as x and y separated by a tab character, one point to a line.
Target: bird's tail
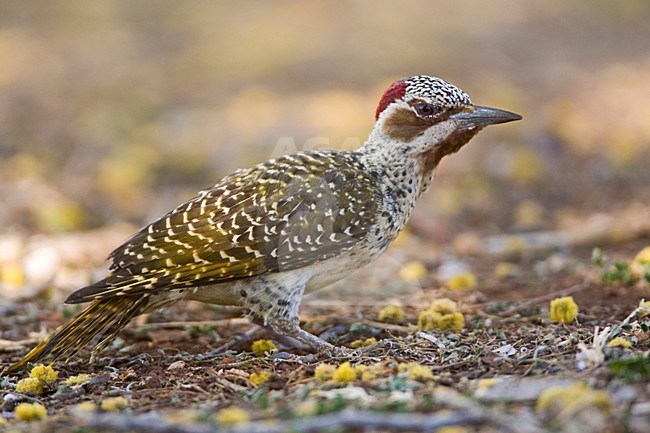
103	318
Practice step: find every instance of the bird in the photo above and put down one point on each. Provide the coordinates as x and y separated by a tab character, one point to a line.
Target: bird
262	237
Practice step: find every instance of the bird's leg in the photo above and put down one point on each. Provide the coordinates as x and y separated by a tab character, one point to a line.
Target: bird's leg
285	340
292	329
289	329
274	303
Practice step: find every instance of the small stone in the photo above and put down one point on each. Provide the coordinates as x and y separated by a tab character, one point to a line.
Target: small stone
176	365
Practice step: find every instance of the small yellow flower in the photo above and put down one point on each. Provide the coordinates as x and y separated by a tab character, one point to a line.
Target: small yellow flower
428	319
345	373
44	372
363	343
465	280
260	347
528	214
444	306
12	275
487	383
30	412
324	371
643	257
571	399
360	368
391	312
453	321
505	269
619	342
563	309
37	380
259	378
232	415
114	404
413	271
368	375
86	406
31	385
78	379
641	260
420	372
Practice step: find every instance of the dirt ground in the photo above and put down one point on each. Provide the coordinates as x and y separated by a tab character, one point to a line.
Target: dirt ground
180	368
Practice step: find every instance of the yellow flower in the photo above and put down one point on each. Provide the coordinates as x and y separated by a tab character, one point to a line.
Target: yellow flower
563	309
259	378
370	373
30	412
465	280
487	383
416	371
505	269
31	385
363	343
86	406
619	342
12	275
571	399
324	371
37	380
453	321
641	260
78	379
391	312
44	372
528	214
444	306
413	271
420	372
345	373
232	415
430	319
113	404
260	347
643	257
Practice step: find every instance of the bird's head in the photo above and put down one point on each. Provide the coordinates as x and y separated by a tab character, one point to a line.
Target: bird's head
428	117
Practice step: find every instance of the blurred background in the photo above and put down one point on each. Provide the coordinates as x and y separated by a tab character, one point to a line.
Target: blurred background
114	112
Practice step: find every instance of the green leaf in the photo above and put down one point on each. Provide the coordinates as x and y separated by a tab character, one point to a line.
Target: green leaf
633	369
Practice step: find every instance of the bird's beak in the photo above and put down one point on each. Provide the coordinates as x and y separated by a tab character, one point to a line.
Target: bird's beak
474	116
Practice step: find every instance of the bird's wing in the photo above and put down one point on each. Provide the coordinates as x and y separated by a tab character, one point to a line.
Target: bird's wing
279	216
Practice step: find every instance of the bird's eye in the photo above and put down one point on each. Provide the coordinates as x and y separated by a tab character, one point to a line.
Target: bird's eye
424	109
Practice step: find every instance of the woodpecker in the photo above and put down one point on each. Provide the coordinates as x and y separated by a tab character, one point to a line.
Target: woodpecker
262	237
